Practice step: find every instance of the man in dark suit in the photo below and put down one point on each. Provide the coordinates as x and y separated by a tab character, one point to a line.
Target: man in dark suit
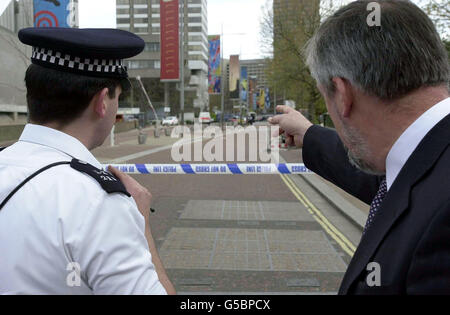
387	91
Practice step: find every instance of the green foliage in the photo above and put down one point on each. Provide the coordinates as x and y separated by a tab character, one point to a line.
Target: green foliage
289	27
439	12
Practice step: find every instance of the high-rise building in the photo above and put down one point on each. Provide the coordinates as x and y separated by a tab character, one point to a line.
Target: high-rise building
136	16
142	17
256	72
256	69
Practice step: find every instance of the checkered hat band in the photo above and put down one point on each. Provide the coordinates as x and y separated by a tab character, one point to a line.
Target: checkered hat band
106	66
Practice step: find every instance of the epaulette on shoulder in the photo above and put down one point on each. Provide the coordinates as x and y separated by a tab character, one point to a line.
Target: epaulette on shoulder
109	182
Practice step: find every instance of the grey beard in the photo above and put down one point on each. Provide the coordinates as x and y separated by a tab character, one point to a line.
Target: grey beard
356	141
362	165
357	159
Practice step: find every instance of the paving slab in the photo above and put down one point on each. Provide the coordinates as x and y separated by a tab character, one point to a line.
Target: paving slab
250	249
246	210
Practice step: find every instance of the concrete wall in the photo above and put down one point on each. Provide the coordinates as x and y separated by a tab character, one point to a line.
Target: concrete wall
14	61
7	19
10	132
13	132
126	126
13	119
17	15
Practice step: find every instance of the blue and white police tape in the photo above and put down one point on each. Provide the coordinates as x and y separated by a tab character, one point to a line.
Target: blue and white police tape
212	169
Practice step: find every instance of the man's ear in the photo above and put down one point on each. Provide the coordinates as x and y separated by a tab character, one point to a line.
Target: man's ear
343	96
100	106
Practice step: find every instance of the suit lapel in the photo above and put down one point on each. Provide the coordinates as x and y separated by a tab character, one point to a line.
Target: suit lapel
397	199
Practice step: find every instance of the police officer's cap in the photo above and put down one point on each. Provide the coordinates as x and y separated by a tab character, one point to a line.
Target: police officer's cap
89	52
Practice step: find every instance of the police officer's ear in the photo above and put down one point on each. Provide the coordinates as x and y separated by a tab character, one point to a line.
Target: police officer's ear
100	102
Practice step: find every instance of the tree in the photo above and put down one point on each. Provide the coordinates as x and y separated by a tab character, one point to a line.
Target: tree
285	29
439	12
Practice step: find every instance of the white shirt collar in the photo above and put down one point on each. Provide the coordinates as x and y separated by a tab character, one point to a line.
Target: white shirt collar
58	140
411	137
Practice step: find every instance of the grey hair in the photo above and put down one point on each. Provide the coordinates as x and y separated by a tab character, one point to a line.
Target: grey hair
387	61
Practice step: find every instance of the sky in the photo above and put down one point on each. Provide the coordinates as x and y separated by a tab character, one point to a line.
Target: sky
240	20
97	13
241	26
3	5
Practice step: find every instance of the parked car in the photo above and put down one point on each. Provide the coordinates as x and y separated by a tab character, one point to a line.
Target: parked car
170	121
265	117
205	118
226	117
129	118
237	119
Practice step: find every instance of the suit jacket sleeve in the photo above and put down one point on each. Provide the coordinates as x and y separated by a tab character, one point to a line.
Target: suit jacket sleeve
324	154
429	272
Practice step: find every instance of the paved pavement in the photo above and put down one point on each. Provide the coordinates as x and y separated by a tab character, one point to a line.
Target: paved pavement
233	234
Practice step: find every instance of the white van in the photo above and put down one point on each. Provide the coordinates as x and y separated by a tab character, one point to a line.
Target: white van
204	118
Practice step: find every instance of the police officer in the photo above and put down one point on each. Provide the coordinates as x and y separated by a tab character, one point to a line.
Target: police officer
67	226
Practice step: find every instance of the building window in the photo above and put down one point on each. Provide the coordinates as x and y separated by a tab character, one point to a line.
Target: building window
195	38
195	10
152	47
143	64
140	30
140	20
140	11
195	19
123	11
195	29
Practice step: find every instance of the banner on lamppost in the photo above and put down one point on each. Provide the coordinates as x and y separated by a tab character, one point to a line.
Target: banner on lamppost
244	83
234	76
60	13
170	40
267	100
214	65
251	90
262	99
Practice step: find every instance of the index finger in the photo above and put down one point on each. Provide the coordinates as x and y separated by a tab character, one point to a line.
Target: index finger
284	109
275	120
